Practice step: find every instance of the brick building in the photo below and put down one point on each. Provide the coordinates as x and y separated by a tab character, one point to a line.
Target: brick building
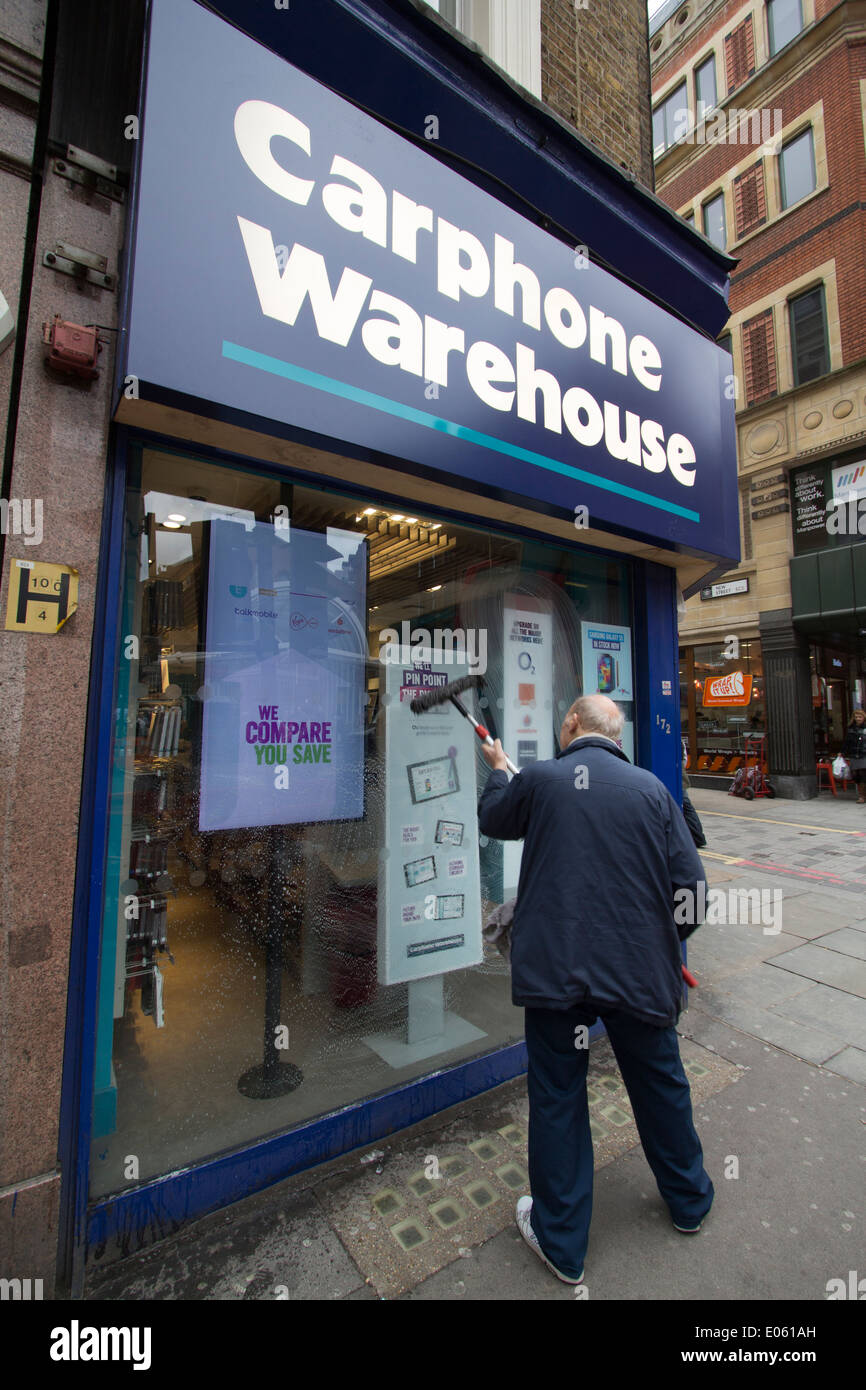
758	112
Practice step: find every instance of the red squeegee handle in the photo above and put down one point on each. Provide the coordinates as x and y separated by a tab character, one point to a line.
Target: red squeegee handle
689	978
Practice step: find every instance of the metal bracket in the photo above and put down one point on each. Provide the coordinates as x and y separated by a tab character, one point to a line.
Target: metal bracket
91	172
82	265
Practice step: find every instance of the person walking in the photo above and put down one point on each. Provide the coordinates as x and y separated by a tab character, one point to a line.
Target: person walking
854	752
606	860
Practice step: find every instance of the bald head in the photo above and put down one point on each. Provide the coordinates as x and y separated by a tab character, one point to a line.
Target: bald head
591	714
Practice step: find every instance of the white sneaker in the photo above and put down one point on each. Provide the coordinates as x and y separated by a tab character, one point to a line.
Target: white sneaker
524	1226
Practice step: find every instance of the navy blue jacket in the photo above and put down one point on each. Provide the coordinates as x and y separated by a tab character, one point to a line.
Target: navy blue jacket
594	922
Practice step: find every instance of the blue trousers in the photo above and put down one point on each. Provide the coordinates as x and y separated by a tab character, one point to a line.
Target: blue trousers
560	1143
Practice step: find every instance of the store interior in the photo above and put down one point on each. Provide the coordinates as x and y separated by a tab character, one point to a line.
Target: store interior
211	934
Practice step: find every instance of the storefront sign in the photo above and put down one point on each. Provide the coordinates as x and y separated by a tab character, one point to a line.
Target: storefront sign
733	586
733	689
297	262
282	730
41	597
429	883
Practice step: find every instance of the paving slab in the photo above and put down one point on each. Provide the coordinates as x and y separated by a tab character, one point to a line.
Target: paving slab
825	967
827	1009
764	1239
848	940
850	1062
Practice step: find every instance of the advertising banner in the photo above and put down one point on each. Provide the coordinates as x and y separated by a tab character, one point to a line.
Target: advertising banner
606	652
297	262
282	729
527	688
733	689
429	886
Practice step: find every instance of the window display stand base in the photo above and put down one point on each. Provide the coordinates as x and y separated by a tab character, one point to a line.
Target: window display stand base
430	1027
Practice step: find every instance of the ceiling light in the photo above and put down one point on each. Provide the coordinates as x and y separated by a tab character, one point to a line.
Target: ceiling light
171	525
369	511
398	516
410	520
176	516
436	525
433	588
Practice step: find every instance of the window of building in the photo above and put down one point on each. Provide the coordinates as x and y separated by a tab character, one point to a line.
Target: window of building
263	748
726	343
509	34
750	203
810	351
759	358
670	120
715	226
740	54
797	168
705	86
784	22
715	731
689	217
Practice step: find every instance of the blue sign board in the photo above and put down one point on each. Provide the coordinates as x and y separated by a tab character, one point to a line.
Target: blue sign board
297	261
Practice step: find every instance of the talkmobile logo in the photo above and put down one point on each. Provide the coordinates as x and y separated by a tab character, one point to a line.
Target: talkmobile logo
76	1343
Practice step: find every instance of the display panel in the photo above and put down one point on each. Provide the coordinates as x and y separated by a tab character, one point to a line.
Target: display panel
282	737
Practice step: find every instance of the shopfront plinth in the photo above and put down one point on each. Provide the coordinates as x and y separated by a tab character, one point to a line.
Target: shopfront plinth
790	740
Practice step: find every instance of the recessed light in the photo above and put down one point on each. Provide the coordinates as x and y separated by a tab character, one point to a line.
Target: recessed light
176	516
433	588
436	526
398	516
369	511
171	525
410	520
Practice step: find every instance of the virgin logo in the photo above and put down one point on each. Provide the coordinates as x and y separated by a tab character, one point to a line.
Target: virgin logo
727	685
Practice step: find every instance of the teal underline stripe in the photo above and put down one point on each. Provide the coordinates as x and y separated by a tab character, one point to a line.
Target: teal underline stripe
276	367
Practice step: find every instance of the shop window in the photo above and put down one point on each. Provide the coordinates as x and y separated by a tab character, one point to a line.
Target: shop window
739	54
715	225
784	22
809	347
750	204
671	120
797	168
759	358
705	86
731	718
289	848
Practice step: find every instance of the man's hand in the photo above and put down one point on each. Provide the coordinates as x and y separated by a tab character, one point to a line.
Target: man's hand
494	757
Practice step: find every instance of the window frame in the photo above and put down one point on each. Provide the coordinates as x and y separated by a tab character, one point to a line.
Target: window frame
809	130
715	198
791	301
771	49
682	87
708	61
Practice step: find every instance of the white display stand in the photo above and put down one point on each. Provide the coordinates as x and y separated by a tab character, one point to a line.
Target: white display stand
430	1027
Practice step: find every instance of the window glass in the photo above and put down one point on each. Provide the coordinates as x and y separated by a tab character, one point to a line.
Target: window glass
784	21
264	910
714	221
670	120
722	729
705	86
809	348
797	168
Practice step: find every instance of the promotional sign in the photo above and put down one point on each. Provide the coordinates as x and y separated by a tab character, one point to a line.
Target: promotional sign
733	689
297	262
429	885
848	481
606	654
527	689
282	730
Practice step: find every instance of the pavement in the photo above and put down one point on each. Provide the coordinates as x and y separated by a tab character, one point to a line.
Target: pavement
774	1043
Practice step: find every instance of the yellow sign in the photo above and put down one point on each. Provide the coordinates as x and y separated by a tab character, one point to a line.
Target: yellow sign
41	596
